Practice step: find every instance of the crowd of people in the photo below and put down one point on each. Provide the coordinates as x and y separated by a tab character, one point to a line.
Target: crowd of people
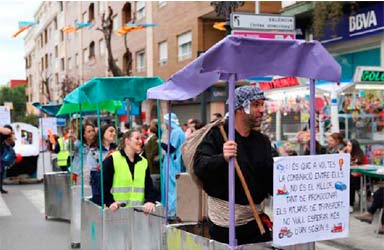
130	159
128	166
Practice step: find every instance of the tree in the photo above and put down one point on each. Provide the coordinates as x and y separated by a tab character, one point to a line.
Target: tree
18	98
324	11
107	29
45	90
68	84
31	119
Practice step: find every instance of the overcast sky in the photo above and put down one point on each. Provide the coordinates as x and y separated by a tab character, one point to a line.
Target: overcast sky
12	64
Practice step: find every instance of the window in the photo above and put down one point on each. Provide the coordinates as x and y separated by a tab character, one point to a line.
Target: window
101	47
55	23
77	62
140	61
61	6
140	9
163	53
116	23
61	35
127	62
56	51
162	3
91	11
85	17
92	50
101	8
126	15
41	40
57	79
69	63
85	55
185	46
46	61
45	36
62	64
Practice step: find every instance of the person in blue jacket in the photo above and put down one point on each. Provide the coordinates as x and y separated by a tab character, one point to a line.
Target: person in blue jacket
175	161
8	156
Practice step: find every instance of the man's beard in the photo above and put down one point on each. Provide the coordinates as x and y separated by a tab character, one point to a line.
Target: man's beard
253	122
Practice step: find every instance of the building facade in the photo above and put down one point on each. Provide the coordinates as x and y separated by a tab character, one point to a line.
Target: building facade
57	61
356	37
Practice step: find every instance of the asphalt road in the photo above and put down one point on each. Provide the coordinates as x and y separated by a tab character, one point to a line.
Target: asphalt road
23	224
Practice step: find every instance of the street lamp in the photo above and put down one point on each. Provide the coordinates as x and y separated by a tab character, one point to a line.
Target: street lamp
224	9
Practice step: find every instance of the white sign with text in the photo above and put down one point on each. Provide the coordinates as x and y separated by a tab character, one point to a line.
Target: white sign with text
47	123
311	198
263	22
5	115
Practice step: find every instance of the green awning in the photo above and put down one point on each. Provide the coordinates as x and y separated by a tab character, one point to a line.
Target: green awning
71	108
102	89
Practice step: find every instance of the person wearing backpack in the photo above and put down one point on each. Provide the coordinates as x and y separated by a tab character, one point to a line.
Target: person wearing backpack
254	155
8	156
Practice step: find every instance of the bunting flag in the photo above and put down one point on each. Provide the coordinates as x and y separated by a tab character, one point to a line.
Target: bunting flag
134	26
68	29
219	26
77	26
23	25
82	25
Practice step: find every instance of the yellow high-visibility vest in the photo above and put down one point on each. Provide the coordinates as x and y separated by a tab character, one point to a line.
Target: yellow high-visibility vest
63	154
124	189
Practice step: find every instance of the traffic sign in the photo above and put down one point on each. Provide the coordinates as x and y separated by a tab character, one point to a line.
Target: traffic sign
269	35
262	22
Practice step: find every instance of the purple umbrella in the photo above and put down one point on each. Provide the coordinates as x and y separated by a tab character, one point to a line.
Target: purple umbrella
235	58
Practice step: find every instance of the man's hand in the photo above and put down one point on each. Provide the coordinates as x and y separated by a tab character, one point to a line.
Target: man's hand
149	207
5	131
229	150
114	206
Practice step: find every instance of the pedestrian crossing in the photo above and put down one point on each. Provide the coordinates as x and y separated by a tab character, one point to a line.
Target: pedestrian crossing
34	196
4	210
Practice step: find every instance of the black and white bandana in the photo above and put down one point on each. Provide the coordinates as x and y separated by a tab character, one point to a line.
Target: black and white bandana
244	95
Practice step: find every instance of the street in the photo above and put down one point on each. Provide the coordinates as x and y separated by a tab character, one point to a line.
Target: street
23	224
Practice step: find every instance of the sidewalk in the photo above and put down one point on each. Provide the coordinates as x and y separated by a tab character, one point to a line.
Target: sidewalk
362	236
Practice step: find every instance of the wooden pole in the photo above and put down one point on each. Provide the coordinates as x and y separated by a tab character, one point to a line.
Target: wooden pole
245	186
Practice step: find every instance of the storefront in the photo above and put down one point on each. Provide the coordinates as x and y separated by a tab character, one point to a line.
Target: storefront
357	39
369	82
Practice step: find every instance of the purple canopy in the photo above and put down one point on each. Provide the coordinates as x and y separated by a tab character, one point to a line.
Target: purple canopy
249	57
236	58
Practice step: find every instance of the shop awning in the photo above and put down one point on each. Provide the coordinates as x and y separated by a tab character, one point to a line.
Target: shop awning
337	87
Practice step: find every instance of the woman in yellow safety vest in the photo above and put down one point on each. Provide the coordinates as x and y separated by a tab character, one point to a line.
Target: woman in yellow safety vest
127	177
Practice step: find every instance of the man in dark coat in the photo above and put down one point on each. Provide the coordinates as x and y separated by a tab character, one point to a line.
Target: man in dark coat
254	155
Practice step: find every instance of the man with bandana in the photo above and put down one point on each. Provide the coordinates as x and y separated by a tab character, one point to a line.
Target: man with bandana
254	155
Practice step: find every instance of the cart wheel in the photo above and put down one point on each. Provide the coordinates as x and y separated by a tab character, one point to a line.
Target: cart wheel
75	245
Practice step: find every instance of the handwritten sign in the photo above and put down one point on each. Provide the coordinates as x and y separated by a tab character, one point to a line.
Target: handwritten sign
47	123
311	198
5	116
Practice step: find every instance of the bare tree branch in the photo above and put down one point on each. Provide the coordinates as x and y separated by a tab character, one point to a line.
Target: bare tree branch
107	28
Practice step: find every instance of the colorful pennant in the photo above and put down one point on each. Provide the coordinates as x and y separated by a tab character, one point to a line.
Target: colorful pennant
134	26
23	25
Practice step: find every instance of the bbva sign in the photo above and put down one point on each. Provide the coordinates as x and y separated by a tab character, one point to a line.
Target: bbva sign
362	21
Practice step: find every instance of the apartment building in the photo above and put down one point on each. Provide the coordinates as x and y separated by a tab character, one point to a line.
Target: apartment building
183	30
